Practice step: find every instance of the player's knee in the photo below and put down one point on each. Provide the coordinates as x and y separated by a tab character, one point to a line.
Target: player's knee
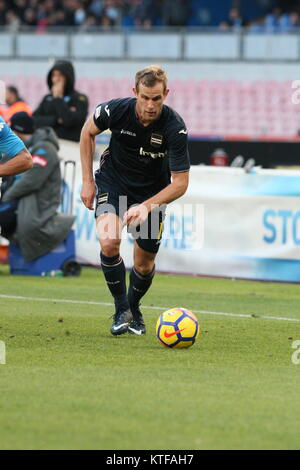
110	247
144	268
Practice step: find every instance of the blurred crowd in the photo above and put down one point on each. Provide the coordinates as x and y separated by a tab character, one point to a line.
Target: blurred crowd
92	14
275	21
89	14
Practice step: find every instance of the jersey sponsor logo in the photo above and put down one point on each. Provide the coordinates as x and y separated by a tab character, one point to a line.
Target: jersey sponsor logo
156	140
97	111
151	154
133	134
107	110
183	131
39	160
2	124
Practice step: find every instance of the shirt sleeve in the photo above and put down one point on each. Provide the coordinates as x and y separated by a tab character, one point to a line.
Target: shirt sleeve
107	113
10	144
178	154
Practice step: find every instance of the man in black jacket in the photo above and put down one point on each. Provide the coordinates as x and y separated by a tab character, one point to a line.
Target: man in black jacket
64	109
34	197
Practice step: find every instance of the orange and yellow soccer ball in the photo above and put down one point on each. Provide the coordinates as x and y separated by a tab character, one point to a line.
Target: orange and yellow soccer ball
177	328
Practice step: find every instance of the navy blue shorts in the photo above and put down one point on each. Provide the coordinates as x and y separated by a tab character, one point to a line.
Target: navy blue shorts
111	199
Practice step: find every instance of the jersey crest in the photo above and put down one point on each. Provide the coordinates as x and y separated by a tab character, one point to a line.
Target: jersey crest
156	140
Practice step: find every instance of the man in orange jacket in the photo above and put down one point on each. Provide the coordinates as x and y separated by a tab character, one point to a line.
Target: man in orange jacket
15	104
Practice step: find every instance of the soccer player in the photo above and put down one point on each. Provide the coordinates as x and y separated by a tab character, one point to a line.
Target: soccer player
146	164
11	146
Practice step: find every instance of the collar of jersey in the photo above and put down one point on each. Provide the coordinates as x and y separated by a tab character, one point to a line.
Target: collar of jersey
152	123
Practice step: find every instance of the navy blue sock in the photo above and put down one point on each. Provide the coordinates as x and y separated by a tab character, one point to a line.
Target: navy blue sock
115	275
138	287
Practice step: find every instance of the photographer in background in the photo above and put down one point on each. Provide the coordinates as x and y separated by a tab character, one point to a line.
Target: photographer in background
64	109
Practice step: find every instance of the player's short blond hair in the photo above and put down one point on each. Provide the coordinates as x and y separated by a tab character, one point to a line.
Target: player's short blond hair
151	75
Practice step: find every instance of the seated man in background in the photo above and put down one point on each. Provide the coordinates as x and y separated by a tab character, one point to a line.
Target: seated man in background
35	196
15	104
64	109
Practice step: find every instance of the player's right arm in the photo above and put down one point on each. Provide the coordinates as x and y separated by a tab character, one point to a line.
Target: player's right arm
87	149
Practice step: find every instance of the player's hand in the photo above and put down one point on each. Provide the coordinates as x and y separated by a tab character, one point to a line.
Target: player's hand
136	215
88	194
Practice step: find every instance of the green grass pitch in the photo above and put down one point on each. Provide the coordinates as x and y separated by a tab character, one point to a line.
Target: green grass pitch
69	384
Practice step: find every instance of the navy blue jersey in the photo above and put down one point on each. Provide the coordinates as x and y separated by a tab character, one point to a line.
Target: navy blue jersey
140	158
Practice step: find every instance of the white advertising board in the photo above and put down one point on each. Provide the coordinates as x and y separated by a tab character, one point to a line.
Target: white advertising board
229	223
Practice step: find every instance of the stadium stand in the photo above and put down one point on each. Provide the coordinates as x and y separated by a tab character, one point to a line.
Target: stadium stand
88	15
227	108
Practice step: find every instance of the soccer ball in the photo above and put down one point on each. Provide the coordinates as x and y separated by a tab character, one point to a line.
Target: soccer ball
177	328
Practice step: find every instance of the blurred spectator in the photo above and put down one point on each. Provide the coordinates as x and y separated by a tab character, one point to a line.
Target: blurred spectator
30	18
295	20
272	20
68	8
234	21
145	13
284	23
96	7
89	24
64	109
106	22
256	26
14	102
176	12
60	18
20	8
79	13
34	197
12	21
111	11
2	12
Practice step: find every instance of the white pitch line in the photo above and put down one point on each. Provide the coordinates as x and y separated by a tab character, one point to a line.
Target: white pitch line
153	307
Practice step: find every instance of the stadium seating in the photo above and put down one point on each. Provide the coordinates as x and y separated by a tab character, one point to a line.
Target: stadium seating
225	108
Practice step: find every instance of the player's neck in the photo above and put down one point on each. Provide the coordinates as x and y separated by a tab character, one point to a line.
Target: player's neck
142	121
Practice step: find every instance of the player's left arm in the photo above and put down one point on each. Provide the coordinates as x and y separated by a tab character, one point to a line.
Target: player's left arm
170	193
18	157
21	162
